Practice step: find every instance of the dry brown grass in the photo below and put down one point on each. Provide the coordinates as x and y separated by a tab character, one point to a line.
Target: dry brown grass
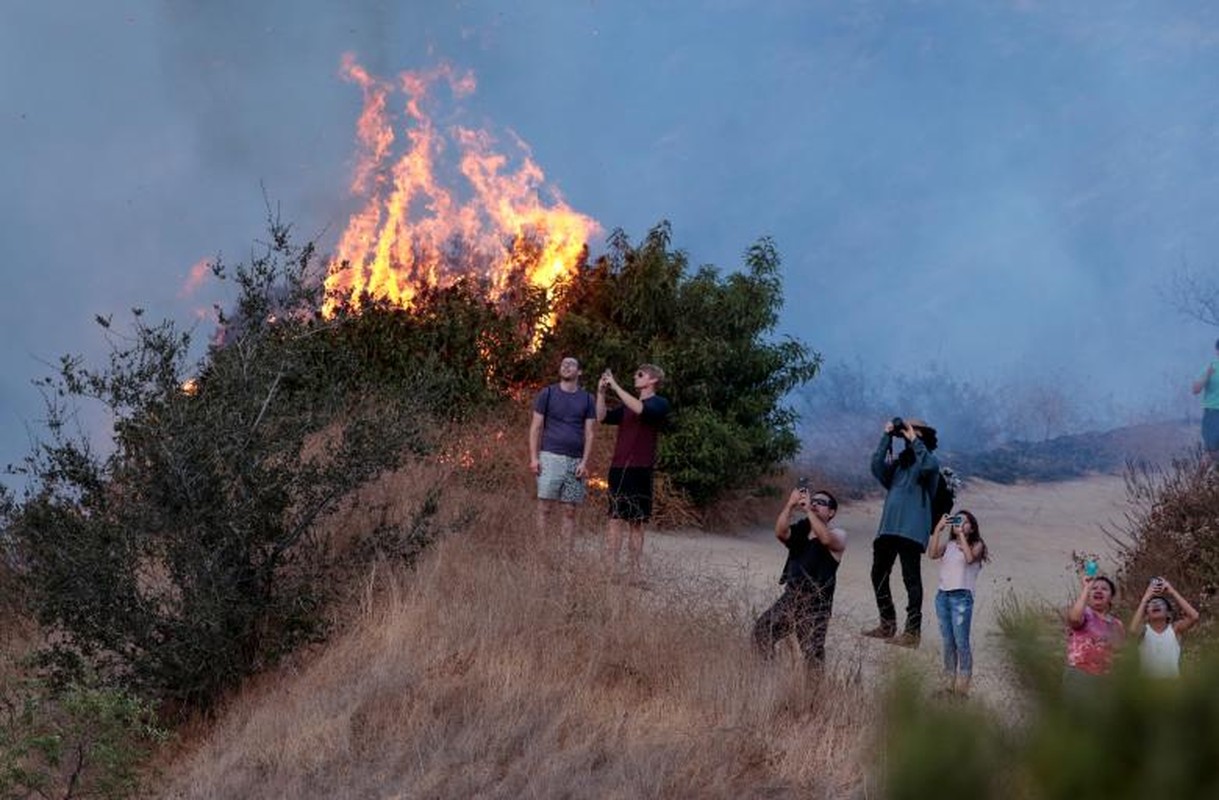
506	666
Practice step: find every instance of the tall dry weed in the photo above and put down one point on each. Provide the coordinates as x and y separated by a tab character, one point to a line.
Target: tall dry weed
1172	530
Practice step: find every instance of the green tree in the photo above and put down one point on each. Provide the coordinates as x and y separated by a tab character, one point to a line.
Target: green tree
727	376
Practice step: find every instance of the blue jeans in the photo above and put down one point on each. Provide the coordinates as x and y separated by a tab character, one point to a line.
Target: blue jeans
955	611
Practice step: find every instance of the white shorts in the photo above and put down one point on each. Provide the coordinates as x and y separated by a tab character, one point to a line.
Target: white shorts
557	478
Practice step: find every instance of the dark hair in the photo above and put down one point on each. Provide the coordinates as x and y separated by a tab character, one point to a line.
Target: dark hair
1112	585
928	437
833	500
1168	606
1217	344
975	534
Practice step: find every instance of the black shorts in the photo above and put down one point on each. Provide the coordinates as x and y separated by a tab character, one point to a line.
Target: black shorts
630	493
1210	429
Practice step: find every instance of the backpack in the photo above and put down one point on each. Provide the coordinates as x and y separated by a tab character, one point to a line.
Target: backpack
945	494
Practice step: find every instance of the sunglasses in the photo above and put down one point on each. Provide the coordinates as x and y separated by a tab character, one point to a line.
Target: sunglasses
820	501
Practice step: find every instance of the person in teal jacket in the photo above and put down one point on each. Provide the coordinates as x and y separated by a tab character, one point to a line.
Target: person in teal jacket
910	480
1207	385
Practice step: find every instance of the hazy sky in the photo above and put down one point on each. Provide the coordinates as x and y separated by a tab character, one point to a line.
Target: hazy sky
1001	186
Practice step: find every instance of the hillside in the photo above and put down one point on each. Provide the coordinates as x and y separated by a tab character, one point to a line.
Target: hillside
844	465
506	668
1077	455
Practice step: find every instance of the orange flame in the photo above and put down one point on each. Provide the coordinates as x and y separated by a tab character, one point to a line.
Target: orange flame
412	231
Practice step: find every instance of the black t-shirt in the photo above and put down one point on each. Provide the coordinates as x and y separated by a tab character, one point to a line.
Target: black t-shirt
810	564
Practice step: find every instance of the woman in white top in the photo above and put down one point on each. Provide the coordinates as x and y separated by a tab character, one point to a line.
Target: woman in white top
957	544
1160	648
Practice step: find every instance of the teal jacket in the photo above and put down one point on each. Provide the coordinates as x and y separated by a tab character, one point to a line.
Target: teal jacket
910	479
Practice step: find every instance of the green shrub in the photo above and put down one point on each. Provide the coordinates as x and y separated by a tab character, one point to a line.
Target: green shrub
81	741
189	556
1133	738
726	377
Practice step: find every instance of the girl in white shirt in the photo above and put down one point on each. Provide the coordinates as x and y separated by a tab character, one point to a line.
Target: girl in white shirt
957	544
1160	648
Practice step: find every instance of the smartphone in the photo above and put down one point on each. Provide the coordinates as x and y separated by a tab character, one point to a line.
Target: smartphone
1091	567
956	519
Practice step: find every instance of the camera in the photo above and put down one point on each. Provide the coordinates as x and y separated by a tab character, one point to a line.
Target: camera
898	424
802	485
956	519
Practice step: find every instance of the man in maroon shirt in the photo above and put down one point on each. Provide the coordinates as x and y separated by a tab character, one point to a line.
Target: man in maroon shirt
639	420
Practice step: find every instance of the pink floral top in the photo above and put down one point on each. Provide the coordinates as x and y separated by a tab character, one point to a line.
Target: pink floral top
1090	646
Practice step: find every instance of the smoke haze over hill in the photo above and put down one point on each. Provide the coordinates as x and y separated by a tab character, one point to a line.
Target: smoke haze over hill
1001	188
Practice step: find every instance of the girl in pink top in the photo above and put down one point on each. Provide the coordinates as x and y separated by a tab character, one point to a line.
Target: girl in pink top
1093	634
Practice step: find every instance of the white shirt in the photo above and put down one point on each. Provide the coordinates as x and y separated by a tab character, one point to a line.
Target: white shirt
955	571
1160	653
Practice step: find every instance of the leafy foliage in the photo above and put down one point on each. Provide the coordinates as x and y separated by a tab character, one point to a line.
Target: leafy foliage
188	556
724	375
80	741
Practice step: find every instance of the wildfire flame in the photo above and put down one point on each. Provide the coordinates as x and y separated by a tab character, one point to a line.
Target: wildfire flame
412	231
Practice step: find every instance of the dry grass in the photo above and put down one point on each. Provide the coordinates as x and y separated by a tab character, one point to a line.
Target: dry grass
506	667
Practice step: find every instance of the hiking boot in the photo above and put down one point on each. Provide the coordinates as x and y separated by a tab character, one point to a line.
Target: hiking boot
906	639
881	631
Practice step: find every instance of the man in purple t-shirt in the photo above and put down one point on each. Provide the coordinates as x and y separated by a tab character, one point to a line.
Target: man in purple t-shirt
639	420
560	441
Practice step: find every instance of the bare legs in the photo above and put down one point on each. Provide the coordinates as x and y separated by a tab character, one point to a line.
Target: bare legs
615	532
567	519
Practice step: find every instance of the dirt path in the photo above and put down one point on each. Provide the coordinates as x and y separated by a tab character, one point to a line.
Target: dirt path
1030	529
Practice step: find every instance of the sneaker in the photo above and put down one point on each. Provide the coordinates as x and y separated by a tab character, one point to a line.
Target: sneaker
906	639
881	631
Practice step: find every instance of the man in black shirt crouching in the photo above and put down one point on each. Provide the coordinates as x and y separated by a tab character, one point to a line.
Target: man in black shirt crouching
814	550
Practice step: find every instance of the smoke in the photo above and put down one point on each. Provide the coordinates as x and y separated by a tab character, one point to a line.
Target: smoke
1001	190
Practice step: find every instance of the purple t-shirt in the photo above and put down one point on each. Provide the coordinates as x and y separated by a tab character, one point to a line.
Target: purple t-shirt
638	434
563	415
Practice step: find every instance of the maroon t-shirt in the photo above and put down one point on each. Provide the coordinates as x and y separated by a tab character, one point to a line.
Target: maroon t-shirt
638	434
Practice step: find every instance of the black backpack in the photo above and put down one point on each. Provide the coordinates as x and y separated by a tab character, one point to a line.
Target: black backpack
945	494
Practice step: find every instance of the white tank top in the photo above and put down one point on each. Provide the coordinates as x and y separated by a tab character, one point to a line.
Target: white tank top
955	571
1160	653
